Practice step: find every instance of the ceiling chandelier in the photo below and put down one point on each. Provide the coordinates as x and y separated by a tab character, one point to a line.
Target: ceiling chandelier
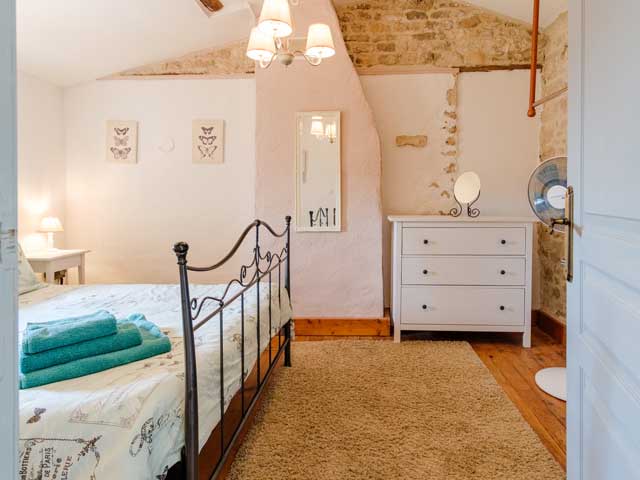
269	40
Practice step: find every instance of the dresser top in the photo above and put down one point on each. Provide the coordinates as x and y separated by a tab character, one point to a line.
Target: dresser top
460	219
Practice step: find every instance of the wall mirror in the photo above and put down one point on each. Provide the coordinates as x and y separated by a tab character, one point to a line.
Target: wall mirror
318	172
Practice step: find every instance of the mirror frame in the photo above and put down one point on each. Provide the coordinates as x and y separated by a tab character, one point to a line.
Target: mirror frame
338	227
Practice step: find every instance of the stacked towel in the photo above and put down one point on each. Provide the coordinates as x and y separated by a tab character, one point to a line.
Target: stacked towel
127	335
39	337
134	339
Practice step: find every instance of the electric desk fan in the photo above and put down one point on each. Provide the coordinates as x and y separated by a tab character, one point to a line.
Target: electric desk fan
547	197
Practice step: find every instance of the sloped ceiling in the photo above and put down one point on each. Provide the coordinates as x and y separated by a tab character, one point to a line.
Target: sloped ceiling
73	41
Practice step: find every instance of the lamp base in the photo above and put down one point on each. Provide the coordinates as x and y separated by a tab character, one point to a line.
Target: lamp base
50	244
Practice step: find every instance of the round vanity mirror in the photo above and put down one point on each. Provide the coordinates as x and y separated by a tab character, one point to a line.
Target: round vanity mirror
467	187
466	190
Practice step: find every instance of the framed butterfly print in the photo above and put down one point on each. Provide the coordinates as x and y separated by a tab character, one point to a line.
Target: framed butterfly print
122	141
208	141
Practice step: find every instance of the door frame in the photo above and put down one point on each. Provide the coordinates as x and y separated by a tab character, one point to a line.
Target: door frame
574	175
8	243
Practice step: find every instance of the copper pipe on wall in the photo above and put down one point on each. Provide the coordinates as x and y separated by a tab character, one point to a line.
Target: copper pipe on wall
551	96
534	58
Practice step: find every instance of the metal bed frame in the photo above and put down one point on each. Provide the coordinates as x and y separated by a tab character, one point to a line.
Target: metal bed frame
263	265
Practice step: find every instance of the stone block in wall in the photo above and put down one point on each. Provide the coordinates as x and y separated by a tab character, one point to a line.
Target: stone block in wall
411	141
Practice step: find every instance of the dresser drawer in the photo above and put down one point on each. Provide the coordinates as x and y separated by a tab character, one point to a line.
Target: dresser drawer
463	241
440	270
484	306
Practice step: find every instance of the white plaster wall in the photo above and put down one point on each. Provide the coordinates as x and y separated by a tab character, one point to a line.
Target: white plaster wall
130	215
41	159
495	138
410	105
333	274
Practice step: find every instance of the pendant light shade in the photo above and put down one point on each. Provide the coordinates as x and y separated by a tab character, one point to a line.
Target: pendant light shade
320	41
268	43
275	18
261	46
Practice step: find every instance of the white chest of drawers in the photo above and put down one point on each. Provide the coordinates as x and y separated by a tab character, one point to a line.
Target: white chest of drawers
462	274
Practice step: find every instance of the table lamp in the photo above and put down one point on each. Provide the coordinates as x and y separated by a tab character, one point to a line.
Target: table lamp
50	225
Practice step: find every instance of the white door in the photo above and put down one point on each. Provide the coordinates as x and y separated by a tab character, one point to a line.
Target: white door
604	299
8	220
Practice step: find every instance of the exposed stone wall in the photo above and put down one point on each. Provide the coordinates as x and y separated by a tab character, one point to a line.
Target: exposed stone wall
553	142
439	33
229	60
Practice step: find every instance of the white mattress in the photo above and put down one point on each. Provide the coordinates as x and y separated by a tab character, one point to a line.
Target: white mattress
127	422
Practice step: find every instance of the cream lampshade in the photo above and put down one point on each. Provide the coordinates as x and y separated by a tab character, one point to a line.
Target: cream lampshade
320	42
50	225
261	46
275	18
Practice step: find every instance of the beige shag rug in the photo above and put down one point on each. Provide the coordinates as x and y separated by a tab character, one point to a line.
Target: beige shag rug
379	410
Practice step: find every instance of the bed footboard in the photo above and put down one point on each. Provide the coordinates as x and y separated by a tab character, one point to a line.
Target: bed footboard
265	265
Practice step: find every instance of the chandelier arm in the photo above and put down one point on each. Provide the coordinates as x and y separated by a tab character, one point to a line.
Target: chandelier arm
264	64
313	61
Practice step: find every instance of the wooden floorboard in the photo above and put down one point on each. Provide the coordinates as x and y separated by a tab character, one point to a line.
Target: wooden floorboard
514	368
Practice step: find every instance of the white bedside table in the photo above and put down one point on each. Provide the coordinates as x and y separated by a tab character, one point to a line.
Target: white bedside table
51	261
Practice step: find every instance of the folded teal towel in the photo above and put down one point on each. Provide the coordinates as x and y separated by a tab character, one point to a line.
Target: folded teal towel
128	336
154	342
39	337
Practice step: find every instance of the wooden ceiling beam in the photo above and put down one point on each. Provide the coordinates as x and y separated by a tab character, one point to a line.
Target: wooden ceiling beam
211	6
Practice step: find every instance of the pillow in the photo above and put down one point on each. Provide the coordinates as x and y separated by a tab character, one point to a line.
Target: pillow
28	282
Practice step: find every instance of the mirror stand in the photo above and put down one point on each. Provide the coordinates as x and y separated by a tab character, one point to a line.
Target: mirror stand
471	212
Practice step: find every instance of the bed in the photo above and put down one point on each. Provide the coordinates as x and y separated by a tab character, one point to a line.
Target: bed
156	418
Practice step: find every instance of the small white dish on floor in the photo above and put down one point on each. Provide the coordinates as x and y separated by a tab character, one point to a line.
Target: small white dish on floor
553	381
